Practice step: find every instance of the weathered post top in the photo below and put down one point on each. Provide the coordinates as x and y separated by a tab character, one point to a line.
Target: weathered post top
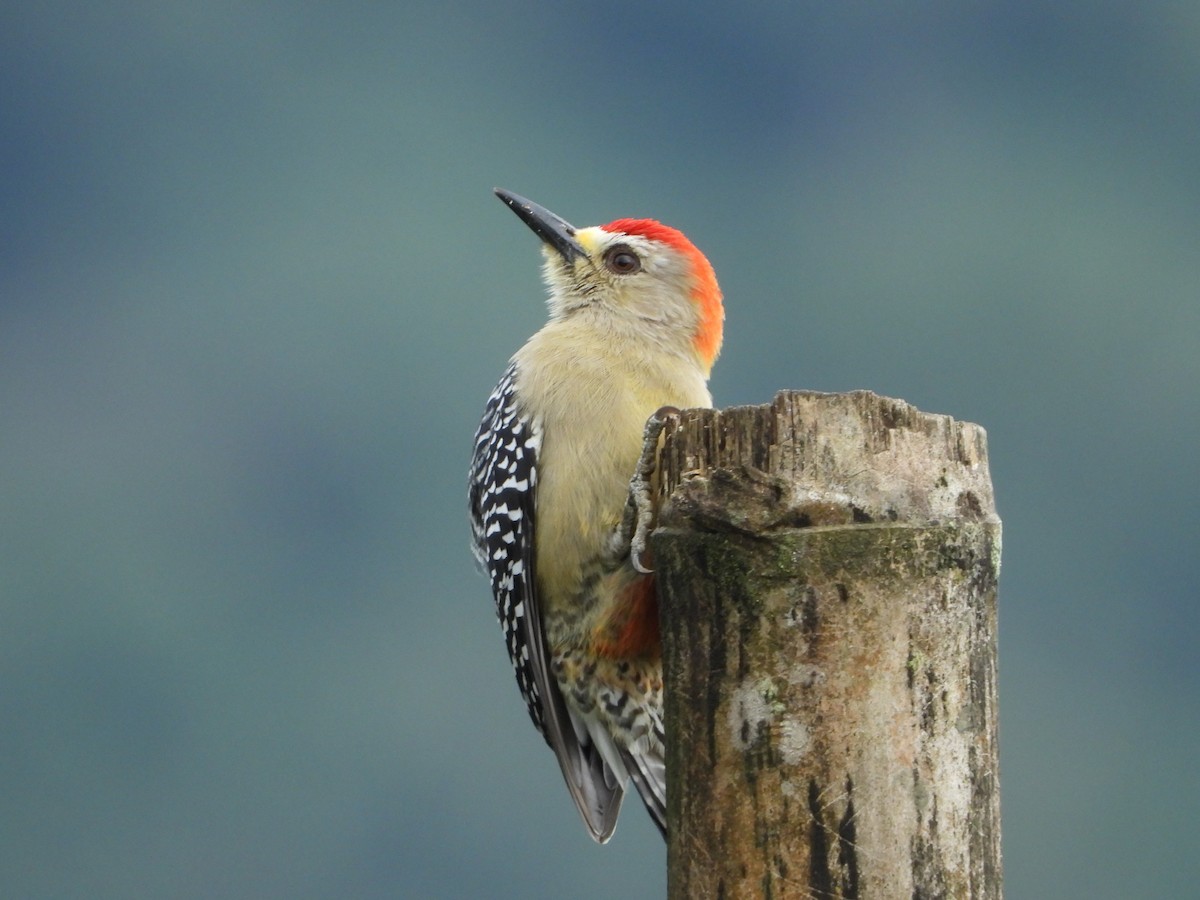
833	456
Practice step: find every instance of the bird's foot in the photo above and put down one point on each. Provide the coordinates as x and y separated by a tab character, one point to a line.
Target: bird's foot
641	512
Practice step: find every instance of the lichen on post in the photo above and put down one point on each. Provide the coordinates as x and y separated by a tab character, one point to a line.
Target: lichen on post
827	572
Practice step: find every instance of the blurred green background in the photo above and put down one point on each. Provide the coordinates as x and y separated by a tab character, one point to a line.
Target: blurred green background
254	289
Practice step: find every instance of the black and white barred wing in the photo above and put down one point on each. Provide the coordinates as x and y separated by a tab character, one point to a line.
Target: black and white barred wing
503	485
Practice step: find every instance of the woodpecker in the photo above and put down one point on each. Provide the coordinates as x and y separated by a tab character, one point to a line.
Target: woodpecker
635	325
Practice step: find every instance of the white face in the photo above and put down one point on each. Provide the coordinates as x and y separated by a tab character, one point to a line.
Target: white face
646	282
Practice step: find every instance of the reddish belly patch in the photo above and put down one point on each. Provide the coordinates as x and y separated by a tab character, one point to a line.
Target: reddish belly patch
631	629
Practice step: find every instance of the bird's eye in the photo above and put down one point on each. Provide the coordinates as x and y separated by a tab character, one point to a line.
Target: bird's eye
620	260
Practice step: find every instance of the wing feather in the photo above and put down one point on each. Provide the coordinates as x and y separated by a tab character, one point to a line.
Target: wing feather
502	492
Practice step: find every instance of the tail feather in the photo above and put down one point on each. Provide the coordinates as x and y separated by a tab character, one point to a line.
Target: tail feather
648	770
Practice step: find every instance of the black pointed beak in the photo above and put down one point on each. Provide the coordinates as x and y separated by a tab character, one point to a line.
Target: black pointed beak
554	230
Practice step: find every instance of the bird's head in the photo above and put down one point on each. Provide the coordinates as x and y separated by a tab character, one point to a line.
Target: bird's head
639	274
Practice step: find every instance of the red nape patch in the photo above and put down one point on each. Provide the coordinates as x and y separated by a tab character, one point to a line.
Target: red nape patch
706	293
631	629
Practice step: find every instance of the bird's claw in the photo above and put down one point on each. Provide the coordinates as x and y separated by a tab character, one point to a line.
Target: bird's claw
641	511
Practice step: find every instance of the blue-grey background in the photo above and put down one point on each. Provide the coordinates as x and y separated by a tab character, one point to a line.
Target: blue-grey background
254	289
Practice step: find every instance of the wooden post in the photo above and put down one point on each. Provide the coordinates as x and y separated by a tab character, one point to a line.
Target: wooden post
827	572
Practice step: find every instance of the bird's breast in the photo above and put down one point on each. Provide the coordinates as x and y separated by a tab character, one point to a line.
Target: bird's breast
591	401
